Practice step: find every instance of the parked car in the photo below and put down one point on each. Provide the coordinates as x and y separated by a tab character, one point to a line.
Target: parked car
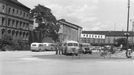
85	48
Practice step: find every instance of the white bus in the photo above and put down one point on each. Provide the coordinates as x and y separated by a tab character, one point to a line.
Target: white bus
70	47
37	47
49	46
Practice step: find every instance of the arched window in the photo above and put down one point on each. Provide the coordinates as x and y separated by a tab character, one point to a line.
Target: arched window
3	30
13	31
9	31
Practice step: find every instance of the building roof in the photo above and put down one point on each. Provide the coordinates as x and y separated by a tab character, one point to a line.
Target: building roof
109	33
17	3
64	21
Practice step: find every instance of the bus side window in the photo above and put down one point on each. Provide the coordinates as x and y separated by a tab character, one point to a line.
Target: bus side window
40	45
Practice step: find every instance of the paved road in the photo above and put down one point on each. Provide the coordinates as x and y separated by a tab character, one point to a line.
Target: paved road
47	63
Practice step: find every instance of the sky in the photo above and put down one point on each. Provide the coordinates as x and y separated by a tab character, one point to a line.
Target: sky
92	15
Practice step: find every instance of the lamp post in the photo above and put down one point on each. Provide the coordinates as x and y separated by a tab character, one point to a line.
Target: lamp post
127	34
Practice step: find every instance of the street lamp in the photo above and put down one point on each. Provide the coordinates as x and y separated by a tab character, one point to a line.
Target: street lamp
127	34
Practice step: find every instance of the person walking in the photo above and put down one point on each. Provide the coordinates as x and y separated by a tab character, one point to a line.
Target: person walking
60	48
57	49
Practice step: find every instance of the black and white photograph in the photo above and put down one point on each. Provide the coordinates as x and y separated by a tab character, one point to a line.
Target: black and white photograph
66	37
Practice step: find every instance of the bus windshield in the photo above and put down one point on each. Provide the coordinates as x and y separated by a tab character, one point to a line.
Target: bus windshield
72	44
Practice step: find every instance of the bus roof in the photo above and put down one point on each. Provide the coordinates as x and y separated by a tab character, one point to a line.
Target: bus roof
70	41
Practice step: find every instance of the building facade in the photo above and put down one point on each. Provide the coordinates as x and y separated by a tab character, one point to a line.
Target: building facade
15	20
69	31
104	37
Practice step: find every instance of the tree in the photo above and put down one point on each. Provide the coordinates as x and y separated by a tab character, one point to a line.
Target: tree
46	21
122	41
6	41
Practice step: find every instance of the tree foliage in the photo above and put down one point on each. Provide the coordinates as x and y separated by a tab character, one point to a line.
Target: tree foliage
6	39
46	21
122	41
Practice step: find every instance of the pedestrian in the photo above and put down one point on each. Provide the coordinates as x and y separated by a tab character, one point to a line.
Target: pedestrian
56	47
112	49
60	48
128	52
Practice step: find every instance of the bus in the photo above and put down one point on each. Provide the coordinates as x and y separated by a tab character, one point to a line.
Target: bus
70	48
49	46
37	47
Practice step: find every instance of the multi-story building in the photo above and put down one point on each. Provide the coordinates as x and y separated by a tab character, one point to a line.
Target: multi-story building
69	31
15	20
104	37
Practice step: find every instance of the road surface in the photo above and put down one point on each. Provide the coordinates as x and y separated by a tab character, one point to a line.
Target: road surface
47	63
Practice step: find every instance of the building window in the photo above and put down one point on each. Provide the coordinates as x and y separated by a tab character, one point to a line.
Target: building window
27	26
13	22
24	14
9	10
17	23
23	25
23	34
20	12
13	31
9	31
27	15
16	11
13	11
3	31
3	20
20	33
17	33
9	20
20	24
3	7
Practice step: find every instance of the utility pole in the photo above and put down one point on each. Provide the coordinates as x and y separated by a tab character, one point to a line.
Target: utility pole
133	35
127	34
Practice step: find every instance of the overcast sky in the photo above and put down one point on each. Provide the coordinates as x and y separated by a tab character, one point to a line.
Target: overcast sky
89	14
